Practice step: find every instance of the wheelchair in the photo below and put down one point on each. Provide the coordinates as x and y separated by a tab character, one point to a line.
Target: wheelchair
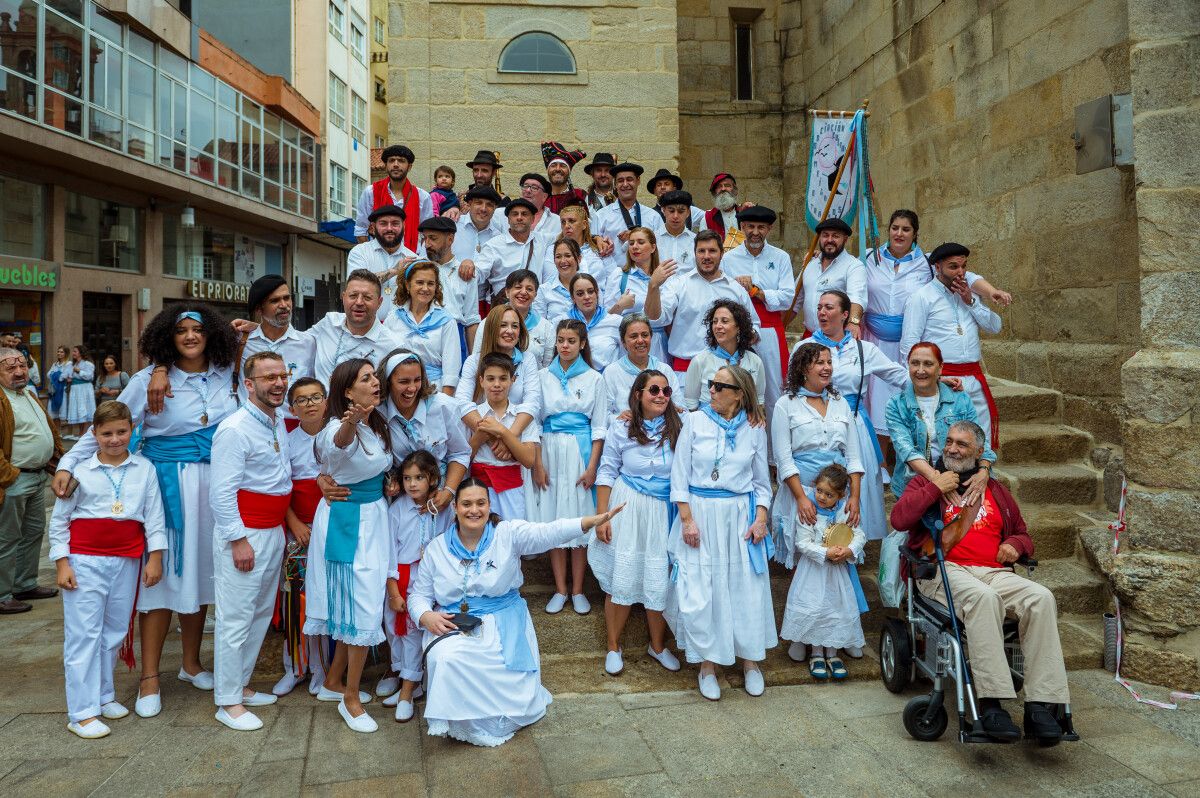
929	642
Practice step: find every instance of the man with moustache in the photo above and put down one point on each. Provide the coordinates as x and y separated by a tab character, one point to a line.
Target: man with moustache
600	193
536	190
270	302
385	254
722	217
395	189
357	332
250	495
483	175
559	163
460	297
616	220
664	182
833	268
515	249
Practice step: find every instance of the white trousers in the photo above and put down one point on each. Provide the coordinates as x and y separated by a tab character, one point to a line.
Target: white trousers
95	622
405	648
982	417
245	601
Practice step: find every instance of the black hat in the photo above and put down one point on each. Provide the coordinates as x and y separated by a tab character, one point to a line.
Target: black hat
520	202
260	289
665	174
675	198
626	166
437	224
397	151
483	192
756	213
485	157
386	210
948	250
545	184
835	224
601	159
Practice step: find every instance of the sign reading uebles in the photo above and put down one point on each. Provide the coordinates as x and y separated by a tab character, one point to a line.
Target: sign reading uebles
218	291
27	274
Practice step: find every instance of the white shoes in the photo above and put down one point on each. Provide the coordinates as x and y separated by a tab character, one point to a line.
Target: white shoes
387	685
259	699
664	658
798	652
363	723
404	711
580	603
556	603
201	681
325	694
853	652
614	662
147	706
286	684
210	624
315	682
394	698
113	711
247	721
754	681
709	687
92	731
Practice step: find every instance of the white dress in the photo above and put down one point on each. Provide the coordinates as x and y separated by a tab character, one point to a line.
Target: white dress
705	366
633	568
620	375
374	557
718	607
471	695
81	395
561	451
822	609
437	346
64	371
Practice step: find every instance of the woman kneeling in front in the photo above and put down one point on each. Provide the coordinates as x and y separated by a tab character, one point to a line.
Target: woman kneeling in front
483	685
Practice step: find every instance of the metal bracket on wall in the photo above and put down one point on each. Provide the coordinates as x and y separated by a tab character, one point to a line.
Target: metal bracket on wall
1103	133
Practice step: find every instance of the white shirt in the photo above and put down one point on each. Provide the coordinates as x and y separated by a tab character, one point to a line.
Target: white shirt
618	382
845	273
244	458
680	248
847	373
704	367
929	406
485	455
95	496
589	263
937	315
371	255
438	349
553	301
549	226
502	256
363	458
366	204
684	299
525	394
298	349
585	393
810	538
796	427
635	281
336	344
605	339
302	456
460	297
624	455
435	427
770	270
701	448
610	222
891	281
413	530
469	239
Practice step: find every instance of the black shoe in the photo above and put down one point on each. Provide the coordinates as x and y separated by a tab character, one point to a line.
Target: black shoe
35	593
1040	723
13	607
996	724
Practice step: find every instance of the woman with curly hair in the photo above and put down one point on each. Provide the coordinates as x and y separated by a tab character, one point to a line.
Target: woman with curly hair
729	333
429	331
197	349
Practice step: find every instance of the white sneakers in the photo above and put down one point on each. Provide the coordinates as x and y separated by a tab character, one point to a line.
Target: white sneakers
754	681
709	687
556	603
247	721
258	699
394	698
90	731
388	685
147	706
363	723
325	694
614	663
664	658
404	711
201	681
113	711
580	604
854	652
797	652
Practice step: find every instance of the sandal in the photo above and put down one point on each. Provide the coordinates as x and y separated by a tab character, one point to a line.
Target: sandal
838	668
816	666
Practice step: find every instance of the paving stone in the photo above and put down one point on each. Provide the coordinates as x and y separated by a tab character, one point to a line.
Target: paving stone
611	753
287	737
45	737
699	738
280	778
336	753
1158	755
658	785
1126	788
580	713
60	778
454	769
410	785
172	751
1184	789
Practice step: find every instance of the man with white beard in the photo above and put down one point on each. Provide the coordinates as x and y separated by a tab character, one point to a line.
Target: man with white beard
722	217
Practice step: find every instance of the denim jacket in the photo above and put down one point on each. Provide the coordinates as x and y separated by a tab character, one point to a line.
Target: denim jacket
908	429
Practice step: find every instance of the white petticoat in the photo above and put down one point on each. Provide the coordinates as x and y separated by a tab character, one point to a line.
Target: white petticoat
191	590
821	607
633	569
80	404
564	499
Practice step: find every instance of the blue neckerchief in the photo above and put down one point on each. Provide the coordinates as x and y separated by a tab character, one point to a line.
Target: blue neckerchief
732	359
517	356
461	552
435	319
821	511
637	274
654	426
578	367
532	319
652	362
813	394
912	255
825	340
731	426
574	313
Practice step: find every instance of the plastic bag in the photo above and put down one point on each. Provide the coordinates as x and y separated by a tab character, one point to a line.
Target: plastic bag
891	583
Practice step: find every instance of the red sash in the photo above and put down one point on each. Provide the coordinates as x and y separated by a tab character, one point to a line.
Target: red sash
715	221
680	363
108	537
263	510
403	577
498	478
306	495
290	424
774	320
380	196
974	370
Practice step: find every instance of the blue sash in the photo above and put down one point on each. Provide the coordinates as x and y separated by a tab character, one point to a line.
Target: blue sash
341	541
462	341
855	400
511	615
759	552
58	390
810	462
576	424
168	453
884	327
656	488
433	372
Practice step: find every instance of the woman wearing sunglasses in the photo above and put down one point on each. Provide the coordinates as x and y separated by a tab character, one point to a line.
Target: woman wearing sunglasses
629	554
729	333
619	376
719	605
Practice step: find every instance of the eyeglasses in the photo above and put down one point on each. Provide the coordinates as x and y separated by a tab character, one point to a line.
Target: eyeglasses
272	377
532	187
307	401
655	390
713	385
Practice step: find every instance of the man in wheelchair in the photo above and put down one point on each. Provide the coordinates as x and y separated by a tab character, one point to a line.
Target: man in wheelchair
982	540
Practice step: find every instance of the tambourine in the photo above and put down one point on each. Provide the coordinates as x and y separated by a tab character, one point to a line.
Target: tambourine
838	535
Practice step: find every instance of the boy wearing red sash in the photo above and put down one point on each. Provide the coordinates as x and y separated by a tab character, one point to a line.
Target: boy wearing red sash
98	535
501	473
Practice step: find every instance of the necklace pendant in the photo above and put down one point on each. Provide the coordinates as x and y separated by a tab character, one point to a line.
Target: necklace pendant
204	419
715	474
118	507
387	289
464	606
960	331
276	445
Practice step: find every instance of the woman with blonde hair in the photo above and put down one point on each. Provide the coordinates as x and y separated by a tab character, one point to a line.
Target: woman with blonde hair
626	288
429	330
576	227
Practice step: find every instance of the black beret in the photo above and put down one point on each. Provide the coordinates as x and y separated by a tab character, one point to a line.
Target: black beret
675	198
386	210
627	167
437	224
397	151
835	224
483	192
260	289
756	213
520	202
948	250
545	184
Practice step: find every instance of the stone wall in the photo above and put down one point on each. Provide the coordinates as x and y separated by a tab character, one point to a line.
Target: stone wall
446	99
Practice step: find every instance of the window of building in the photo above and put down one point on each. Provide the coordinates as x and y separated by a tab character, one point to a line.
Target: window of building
22	218
199	252
743	57
101	233
337	102
537	52
337	190
358	117
337	21
380	91
357	186
380	33
358	38
379	142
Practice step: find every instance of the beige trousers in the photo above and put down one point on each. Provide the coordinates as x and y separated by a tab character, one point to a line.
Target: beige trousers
982	598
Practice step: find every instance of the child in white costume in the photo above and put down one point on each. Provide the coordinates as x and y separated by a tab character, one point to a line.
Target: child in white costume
499	420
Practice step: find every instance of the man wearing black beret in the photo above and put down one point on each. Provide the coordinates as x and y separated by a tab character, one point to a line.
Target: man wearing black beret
460	295
386	254
833	268
270	304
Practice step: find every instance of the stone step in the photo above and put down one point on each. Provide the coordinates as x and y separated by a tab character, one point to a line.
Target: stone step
1054	530
1019	402
1041	442
1051	484
1076	587
1082	638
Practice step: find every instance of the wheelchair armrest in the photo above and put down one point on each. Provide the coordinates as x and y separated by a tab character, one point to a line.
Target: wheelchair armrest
919	565
1028	563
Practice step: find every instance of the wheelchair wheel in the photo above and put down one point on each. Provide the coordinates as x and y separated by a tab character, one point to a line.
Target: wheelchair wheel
895	656
916	724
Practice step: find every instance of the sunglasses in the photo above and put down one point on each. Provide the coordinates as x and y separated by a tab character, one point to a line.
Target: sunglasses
713	385
655	390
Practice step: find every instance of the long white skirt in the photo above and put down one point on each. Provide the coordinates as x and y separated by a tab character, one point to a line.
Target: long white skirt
821	607
633	569
531	498
880	392
471	696
564	499
80	404
870	496
189	591
718	608
784	518
370	576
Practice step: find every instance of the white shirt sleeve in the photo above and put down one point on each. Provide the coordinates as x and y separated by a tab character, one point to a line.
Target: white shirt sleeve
987	319
153	515
915	313
451	355
781	442
60	527
780	296
365	201
856	283
530	538
229	453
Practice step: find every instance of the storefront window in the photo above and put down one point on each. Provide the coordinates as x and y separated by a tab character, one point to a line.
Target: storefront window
197	253
102	233
22	218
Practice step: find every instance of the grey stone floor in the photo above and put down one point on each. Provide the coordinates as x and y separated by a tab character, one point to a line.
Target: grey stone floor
816	740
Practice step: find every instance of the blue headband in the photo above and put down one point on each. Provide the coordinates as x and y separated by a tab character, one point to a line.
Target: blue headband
189	314
415	264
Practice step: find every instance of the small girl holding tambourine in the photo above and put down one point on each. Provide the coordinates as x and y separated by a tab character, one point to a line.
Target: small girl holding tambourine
825	599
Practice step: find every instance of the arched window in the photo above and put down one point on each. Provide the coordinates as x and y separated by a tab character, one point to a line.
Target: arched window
537	52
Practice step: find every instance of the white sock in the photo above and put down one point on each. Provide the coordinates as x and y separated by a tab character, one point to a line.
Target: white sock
830	653
815	652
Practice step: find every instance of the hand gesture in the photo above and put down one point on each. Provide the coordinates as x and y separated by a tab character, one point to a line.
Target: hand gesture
606	246
806	510
852	512
440	501
1001	298
437	622
587	480
745	282
397	603
946	481
158	390
953	383
665	271
976	486
60	482
453	214
855	331
491	426
65	574
623	236
960	287
302	532
624	303
466	270
606	516
604	532
757	531
356	413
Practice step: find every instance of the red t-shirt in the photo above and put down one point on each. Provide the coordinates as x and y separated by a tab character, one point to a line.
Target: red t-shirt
982	541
